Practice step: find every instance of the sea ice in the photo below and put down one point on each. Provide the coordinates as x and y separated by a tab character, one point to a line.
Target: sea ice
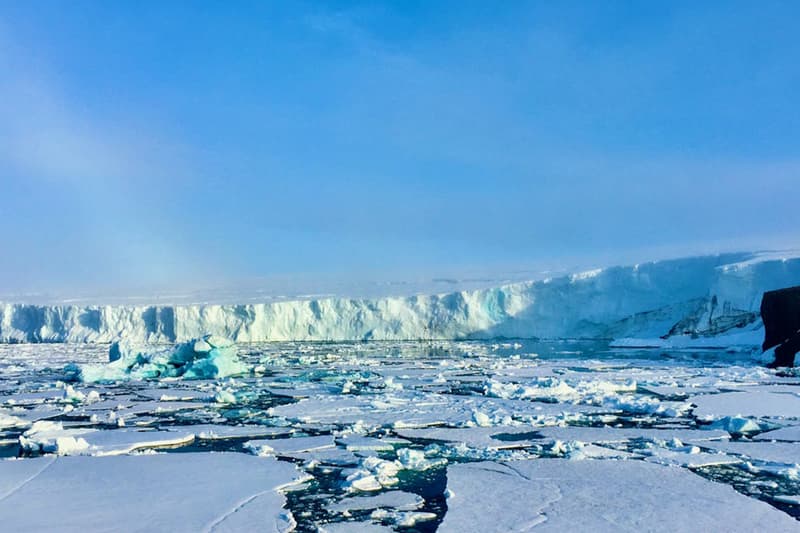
220	432
600	406
600	495
790	433
10	421
354	527
775	452
290	446
52	437
610	434
491	438
395	499
750	404
144	493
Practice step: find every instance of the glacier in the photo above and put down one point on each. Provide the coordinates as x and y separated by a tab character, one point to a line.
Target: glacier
701	300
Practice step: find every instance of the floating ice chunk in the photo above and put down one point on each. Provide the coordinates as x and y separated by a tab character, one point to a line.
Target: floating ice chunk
411	459
174	394
395	499
789	472
125	440
225	396
220	432
561	495
593	451
593	392
354	527
481	419
460	452
374	474
51	437
691	457
289	446
362	480
327	457
357	443
73	396
402	518
390	384
792	499
8	421
498	437
182	360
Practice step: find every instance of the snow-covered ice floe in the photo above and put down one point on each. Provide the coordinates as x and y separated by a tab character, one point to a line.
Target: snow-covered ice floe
173	492
710	301
558	495
391	436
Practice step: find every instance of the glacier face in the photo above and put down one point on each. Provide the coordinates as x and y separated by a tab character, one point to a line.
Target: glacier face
698	297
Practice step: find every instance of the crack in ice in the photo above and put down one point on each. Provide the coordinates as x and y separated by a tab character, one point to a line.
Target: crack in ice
27	480
542	514
236	508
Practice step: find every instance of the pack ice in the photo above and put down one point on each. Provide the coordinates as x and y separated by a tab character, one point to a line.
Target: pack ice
400	436
711	300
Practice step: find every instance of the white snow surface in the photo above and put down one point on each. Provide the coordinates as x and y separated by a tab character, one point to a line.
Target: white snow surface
698	297
562	495
146	493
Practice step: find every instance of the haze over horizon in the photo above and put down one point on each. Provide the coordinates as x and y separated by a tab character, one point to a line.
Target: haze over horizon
198	145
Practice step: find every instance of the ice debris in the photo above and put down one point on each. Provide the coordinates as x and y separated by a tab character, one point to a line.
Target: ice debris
205	358
51	437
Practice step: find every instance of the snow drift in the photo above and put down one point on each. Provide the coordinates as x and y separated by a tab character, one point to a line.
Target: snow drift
698	298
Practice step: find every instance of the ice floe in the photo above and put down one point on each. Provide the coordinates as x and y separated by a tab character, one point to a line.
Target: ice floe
750	404
791	433
559	495
146	493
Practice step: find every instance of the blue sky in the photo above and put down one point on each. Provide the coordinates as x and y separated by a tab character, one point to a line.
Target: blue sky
152	144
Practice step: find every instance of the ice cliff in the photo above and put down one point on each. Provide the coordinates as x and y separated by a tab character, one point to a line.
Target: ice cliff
697	298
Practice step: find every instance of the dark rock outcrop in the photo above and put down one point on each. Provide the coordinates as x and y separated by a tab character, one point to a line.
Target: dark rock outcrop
780	311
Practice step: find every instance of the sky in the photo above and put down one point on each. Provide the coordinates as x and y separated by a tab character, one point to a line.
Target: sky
146	145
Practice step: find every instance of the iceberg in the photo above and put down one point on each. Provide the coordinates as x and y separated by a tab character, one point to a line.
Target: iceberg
204	358
563	495
690	300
